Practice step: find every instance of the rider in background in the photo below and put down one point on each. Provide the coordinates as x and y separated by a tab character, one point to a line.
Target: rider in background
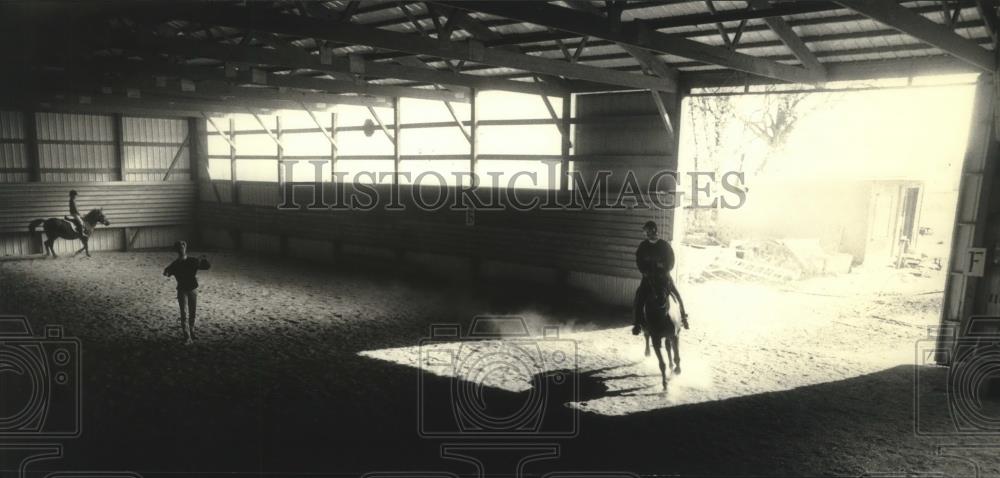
74	215
185	269
655	258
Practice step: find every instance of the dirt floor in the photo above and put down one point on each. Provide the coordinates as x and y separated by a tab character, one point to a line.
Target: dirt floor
302	369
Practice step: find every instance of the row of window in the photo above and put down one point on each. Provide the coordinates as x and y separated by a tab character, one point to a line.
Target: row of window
363	149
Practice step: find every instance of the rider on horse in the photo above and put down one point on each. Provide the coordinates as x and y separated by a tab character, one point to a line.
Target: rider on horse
74	216
654	258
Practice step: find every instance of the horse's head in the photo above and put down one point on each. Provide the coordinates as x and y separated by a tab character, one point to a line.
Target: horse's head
97	216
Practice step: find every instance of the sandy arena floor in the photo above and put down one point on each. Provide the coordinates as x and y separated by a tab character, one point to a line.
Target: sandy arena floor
307	369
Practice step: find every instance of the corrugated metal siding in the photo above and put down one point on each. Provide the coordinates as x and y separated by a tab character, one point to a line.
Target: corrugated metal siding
19	244
62	163
150	145
150	163
158	237
100	240
153	130
11	125
207	190
261	243
623	133
519	272
310	249
444	265
259	193
80	148
368	251
74	127
13	154
75	147
216	237
612	290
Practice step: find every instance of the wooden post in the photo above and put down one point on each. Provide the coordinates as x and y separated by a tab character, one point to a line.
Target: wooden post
396	140
31	146
34	167
470	212
567	113
195	164
117	135
234	194
333	147
118	130
194	150
281	151
473	133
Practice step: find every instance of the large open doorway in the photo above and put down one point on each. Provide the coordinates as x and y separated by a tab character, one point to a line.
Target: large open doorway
834	263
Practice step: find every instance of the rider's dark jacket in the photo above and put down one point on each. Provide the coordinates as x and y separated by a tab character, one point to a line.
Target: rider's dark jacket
654	257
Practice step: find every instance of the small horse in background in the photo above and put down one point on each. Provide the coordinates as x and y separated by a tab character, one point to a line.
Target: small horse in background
659	327
56	228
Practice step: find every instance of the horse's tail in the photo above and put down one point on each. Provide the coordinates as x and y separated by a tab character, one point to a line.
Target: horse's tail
34	224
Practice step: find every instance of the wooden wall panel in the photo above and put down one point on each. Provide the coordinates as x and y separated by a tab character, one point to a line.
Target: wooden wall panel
588	240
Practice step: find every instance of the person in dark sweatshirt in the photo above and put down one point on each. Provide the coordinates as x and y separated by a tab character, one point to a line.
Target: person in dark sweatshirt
654	258
185	269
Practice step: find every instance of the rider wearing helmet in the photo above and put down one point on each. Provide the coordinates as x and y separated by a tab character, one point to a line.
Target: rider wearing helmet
655	258
74	215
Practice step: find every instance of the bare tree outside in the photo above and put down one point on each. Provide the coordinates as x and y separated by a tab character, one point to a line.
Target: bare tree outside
732	133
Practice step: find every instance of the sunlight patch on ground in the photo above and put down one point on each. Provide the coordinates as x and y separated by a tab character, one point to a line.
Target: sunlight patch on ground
760	339
627	382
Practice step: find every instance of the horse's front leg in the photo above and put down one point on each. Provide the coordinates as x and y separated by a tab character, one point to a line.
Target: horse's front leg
85	248
675	343
666	345
663	366
646	334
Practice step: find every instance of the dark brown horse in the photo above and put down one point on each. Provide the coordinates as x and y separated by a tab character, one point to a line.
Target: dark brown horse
56	227
659	327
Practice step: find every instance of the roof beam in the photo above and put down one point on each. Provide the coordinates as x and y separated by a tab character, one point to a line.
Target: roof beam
142	85
844	71
88	103
906	21
260	77
472	51
418	63
343	68
646	59
791	40
483	33
773	43
988	12
639	35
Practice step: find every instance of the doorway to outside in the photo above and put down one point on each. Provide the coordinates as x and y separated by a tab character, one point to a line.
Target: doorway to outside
837	256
